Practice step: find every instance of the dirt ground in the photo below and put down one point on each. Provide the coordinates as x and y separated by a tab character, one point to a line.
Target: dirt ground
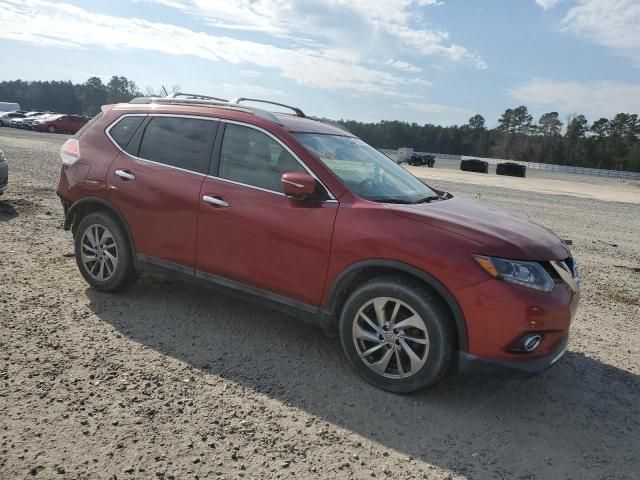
169	380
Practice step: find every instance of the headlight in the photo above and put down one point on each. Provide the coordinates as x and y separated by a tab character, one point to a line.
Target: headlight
527	274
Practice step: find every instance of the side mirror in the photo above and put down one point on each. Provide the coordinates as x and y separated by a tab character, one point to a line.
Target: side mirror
298	185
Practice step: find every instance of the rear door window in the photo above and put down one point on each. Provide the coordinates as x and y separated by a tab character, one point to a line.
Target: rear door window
179	142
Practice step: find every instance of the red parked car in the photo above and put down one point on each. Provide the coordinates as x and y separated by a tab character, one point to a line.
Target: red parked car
60	123
305	217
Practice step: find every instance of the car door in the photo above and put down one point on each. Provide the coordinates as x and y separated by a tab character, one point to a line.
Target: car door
155	181
61	123
250	232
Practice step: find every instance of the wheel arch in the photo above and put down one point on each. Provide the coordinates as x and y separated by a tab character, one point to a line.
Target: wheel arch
87	205
352	276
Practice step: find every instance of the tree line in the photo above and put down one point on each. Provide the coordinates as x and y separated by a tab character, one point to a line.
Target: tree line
66	97
612	144
606	143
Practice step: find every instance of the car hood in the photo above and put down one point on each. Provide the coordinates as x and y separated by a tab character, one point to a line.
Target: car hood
494	231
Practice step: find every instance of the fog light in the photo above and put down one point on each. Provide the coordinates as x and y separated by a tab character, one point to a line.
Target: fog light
527	343
531	342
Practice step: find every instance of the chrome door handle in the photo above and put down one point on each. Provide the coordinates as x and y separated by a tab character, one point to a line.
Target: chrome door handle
216	202
126	175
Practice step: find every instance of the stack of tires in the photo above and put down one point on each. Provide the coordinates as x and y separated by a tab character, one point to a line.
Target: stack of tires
512	169
474	165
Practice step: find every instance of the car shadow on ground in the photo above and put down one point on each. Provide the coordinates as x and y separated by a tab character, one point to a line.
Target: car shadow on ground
7	211
578	420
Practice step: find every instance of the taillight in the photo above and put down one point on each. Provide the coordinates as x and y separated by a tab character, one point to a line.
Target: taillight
70	152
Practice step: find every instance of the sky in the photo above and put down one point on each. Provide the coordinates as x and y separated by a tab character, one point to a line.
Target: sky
424	61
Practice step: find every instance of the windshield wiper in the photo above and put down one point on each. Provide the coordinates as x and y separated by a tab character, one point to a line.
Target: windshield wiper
430	198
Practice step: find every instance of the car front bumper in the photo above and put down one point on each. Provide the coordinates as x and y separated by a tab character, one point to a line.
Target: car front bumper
498	315
474	365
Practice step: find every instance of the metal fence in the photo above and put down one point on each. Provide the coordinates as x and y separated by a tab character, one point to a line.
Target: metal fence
550	167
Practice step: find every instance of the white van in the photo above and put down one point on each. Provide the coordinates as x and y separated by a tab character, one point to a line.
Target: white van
9	107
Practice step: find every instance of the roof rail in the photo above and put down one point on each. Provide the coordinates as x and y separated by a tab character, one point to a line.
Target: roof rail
188	101
297	111
195	96
208	103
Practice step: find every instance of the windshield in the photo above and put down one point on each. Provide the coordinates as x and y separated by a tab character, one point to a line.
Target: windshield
367	172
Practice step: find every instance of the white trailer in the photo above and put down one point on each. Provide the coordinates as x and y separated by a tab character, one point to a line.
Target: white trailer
9	107
404	154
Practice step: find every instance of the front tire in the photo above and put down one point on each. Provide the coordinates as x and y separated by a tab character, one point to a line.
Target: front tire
103	253
52	129
397	334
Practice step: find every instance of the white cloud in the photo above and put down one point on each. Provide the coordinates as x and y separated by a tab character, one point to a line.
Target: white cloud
547	4
419	81
403	66
359	23
612	23
251	73
45	23
597	99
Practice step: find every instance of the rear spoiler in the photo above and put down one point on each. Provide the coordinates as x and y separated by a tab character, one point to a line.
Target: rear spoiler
106	108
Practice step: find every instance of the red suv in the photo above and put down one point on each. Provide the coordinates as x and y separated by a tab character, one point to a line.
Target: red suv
303	216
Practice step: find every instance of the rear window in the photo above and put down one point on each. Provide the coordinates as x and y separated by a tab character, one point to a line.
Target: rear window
123	131
179	142
87	125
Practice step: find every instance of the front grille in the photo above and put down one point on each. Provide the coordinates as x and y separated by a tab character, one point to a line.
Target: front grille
569	262
552	272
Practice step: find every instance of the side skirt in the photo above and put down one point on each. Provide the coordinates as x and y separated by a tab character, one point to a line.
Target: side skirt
304	311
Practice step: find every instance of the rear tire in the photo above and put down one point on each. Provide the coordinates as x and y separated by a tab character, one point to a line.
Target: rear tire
103	253
52	129
397	334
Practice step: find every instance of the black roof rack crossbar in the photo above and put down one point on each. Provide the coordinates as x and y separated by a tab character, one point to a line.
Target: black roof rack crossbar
195	96
296	110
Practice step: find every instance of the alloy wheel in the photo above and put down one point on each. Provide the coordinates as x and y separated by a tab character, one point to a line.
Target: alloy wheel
390	337
99	252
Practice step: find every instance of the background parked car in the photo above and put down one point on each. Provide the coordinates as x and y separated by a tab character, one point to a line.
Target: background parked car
428	160
512	169
5	119
474	165
28	122
4	173
17	122
59	123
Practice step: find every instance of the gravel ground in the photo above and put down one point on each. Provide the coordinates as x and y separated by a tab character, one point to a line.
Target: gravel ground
169	380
